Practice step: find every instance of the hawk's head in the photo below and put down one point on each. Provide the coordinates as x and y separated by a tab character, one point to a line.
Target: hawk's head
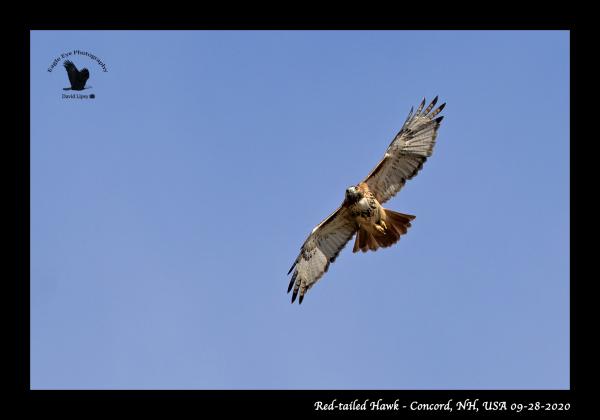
353	195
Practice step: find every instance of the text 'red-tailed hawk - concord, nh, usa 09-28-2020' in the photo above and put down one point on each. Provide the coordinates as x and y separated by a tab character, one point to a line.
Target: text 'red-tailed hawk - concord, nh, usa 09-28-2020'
361	212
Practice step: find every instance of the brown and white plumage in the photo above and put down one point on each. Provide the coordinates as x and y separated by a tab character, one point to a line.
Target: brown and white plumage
407	153
361	210
320	249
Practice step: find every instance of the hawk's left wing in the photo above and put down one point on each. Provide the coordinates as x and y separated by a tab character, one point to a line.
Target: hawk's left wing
407	153
320	249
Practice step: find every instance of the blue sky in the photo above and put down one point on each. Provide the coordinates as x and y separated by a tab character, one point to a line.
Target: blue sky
166	212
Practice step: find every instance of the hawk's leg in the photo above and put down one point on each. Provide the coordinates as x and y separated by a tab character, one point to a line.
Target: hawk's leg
381	226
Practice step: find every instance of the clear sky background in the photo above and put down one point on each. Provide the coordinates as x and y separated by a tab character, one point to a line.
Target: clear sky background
166	212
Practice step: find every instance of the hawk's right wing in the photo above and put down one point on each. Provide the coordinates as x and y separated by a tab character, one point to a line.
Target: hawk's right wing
320	249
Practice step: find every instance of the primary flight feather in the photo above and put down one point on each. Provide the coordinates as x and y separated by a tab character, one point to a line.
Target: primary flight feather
361	211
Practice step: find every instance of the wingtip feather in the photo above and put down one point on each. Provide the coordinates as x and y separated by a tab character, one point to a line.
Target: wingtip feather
430	106
292	267
292	281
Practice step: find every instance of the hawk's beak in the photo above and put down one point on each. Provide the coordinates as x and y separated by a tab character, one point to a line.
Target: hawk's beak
351	192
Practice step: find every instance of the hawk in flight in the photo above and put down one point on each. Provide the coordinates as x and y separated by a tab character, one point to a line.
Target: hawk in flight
361	211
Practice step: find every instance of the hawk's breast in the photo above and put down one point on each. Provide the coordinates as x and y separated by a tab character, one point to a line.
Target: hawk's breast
365	208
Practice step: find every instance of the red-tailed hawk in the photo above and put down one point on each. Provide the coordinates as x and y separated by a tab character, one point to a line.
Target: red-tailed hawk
361	212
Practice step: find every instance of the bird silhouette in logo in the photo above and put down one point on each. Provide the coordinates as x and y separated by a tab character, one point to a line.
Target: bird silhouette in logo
76	77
